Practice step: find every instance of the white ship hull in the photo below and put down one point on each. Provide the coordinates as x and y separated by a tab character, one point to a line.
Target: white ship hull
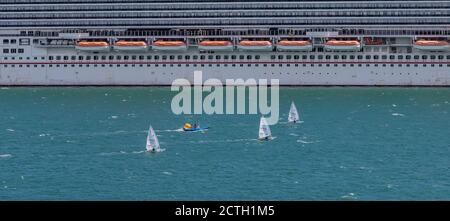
342	48
94	49
114	73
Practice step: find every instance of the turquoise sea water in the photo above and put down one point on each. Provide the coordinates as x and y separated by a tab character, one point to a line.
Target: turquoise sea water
354	144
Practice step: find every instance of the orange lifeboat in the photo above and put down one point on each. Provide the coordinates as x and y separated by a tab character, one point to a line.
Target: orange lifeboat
286	45
94	46
215	46
169	45
432	45
130	46
247	45
342	45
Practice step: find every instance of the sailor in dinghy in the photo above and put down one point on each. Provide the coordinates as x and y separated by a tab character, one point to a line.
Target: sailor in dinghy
293	114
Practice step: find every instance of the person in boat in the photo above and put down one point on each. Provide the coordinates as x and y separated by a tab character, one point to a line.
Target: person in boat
187	126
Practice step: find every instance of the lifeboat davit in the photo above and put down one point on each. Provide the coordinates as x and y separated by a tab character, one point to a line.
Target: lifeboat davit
215	46
432	45
130	46
247	45
92	46
169	46
286	45
342	45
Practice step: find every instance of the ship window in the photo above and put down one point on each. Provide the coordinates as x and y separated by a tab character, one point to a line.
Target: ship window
424	57
392	65
272	57
58	58
35	58
280	57
66	58
249	57
5	41
441	57
13	41
433	57
218	57
13	50
50	58
448	56
149	57
320	57
384	57
226	57
126	57
352	57
233	56
257	57
164	57
5	50
141	57
312	57
202	57
376	57
304	57
21	50
408	57
384	65
195	57
424	65
360	57
171	57
328	57
368	57
416	56
273	65
96	58
133	57
288	56
180	57
265	65
392	57
210	57
336	57
400	57
296	57
73	58
351	65
241	57
80	58
344	57
88	57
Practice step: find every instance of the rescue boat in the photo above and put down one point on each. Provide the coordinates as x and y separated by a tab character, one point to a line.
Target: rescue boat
342	45
169	46
286	45
432	45
130	46
247	45
215	46
92	46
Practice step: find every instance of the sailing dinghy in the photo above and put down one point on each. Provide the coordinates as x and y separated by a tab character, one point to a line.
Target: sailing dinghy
152	141
264	130
293	114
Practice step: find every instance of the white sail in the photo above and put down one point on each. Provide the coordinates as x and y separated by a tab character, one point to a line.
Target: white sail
293	114
264	129
152	141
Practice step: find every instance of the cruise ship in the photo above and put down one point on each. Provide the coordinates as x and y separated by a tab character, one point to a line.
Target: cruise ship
154	42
